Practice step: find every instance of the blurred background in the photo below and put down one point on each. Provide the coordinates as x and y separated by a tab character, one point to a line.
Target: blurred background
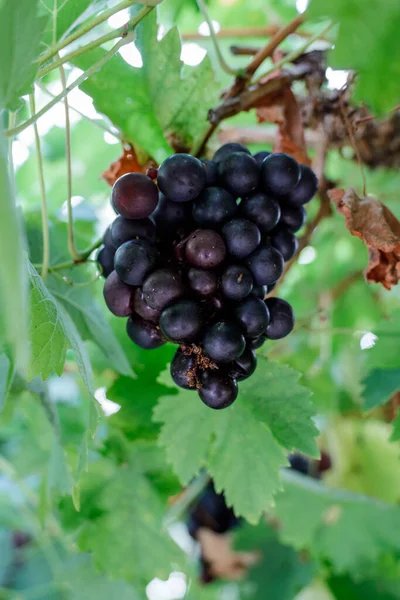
90	506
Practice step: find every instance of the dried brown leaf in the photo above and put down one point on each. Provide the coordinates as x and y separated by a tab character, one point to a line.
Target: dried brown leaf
376	225
216	550
127	163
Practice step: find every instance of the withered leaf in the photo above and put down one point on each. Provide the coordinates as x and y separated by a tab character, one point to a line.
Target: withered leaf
127	163
376	225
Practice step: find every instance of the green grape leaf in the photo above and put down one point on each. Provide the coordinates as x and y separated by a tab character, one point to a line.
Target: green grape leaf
350	531
251	435
379	385
368	34
281	572
13	291
6	555
128	540
283	404
51	332
143	103
90	321
65	15
20	33
5	366
395	437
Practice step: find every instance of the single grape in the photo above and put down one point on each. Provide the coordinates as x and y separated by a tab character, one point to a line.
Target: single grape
239	173
205	249
258	342
244	366
161	287
117	295
133	261
236	282
211	170
181	321
299	463
122	230
183	370
241	237
228	149
260	208
105	259
260	291
107	241
218	390
181	177
252	315
281	318
266	264
271	287
169	215
204	283
292	217
261	156
141	307
285	241
224	341
306	188
145	334
324	463
134	196
280	173
152	172
212	512
214	206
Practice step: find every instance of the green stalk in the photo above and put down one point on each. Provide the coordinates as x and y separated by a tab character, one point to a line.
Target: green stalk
45	220
223	64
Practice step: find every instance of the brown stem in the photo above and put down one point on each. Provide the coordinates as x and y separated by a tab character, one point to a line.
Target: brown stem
260	134
244	50
353	142
274	42
242	32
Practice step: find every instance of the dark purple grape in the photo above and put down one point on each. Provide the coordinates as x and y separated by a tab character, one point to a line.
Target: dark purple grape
211	170
261	156
292	217
205	249
271	287
281	318
134	196
280	174
181	177
105	259
133	261
244	366
145	334
239	173
152	172
266	265
141	307
299	463
169	215
161	287
224	341
306	188
123	230
285	241
117	295
181	322
228	149
260	291
241	237
107	241
258	342
218	390
252	315
183	370
204	283
213	207
236	282
263	210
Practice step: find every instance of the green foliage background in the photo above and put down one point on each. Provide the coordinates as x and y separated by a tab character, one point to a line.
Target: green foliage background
92	490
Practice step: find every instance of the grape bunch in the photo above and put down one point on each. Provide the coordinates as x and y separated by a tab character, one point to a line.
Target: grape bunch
195	249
